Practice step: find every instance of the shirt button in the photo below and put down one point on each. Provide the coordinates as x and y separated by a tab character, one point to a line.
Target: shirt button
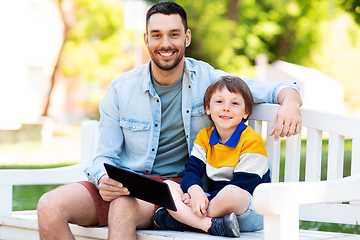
156	125
187	111
157	100
153	149
189	86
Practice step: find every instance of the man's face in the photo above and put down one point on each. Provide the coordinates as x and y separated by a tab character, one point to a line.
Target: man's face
166	40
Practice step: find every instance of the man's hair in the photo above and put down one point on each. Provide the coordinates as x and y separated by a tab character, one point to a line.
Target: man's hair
167	8
234	85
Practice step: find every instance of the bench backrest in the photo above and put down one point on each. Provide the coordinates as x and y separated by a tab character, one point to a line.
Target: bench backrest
295	159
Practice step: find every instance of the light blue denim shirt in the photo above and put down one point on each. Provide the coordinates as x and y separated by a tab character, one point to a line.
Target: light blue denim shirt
130	115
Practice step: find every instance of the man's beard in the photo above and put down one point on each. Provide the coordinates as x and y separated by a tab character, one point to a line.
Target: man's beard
166	67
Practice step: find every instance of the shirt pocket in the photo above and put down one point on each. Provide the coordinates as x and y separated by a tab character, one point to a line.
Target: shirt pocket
136	136
198	110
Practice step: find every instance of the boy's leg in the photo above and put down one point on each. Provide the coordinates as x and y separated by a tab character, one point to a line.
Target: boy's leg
230	199
184	213
223	226
70	203
250	220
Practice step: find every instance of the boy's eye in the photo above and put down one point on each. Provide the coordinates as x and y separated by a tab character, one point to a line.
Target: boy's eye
218	101
235	103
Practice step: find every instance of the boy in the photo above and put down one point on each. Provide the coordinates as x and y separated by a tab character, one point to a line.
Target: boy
234	158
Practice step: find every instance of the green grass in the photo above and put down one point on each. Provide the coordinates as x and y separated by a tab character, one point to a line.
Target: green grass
26	197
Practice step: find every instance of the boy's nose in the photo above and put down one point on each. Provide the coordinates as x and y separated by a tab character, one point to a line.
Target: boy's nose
226	109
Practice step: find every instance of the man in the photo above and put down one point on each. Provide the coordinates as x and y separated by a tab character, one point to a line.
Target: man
150	117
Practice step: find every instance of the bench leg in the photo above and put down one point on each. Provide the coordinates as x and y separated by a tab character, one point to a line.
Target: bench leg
6	200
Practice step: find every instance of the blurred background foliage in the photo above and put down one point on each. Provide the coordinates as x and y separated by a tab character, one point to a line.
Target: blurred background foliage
228	34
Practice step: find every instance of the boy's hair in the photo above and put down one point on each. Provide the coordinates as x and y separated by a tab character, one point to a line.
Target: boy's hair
167	8
234	85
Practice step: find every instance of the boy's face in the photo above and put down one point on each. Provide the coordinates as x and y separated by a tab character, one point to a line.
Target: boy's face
226	110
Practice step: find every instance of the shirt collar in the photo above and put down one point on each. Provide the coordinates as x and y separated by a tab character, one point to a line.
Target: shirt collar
233	140
146	74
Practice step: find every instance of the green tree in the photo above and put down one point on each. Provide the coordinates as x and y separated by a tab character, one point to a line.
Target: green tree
229	34
352	7
95	46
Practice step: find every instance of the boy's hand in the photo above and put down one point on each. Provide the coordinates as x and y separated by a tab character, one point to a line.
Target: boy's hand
186	199
110	189
199	201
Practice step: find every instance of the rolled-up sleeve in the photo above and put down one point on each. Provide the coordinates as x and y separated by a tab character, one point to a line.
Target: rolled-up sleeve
110	137
266	92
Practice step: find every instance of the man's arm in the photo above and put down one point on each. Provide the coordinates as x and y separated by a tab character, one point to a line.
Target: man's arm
288	120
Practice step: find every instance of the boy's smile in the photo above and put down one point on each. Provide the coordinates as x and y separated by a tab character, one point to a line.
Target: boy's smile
227	110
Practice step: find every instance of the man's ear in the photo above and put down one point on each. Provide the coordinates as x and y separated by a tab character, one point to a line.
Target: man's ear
187	38
146	40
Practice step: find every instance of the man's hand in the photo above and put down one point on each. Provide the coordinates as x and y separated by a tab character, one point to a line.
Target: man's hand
288	119
110	189
199	201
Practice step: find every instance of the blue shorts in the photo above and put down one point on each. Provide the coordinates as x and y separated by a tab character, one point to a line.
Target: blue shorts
250	220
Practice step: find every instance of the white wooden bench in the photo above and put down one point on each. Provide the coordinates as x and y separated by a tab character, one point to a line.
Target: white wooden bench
336	200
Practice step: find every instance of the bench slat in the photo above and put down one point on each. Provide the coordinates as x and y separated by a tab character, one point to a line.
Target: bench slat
335	157
273	149
292	158
313	155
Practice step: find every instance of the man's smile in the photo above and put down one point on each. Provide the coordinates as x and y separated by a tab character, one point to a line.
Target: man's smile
167	53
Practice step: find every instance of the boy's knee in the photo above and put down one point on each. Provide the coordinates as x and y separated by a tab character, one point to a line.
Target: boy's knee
172	184
234	193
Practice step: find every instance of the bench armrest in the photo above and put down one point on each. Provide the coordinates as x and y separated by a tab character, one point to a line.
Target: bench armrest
279	202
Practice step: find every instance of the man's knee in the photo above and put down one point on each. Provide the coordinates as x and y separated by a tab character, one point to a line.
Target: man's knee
48	205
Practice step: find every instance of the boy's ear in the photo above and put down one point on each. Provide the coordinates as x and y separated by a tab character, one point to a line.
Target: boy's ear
246	115
207	110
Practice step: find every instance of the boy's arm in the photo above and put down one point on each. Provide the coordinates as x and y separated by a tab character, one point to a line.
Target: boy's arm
248	181
252	168
192	174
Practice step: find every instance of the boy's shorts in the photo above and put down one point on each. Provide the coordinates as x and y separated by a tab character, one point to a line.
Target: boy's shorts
102	206
250	220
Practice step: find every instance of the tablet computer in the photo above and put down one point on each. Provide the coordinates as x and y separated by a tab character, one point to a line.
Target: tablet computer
143	187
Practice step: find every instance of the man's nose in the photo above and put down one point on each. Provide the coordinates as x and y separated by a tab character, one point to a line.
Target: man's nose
166	42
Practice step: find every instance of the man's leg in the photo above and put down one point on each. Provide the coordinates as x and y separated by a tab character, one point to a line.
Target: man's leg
126	214
70	203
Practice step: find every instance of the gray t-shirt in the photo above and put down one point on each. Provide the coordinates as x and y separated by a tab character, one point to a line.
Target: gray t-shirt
172	152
